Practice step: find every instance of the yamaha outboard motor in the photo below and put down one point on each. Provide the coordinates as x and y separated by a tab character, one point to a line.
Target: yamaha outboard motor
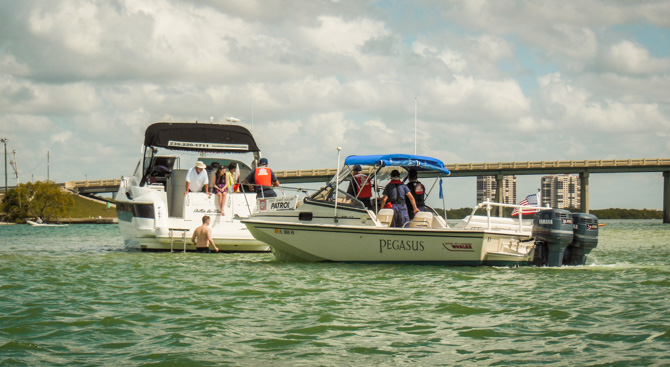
552	230
585	238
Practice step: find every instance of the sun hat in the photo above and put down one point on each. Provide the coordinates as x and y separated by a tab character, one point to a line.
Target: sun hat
200	165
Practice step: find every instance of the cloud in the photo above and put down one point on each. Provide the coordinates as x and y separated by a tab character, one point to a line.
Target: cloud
572	106
490	102
61	137
23	96
627	57
493	80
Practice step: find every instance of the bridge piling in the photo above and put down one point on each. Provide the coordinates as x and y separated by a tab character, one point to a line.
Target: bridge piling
584	191
666	197
499	193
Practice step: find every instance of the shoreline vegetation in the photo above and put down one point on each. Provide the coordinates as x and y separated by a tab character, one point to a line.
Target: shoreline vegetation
53	205
610	213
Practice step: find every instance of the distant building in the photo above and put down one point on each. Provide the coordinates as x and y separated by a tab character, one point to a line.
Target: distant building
561	191
486	189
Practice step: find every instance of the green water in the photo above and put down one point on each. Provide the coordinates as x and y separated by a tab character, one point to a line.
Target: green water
74	296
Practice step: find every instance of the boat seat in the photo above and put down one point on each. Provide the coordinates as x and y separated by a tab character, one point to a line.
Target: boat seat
385	216
421	220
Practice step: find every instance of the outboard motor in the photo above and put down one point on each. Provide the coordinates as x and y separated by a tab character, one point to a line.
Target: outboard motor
585	227
552	230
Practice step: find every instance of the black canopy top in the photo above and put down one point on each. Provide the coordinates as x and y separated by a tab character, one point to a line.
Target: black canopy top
200	137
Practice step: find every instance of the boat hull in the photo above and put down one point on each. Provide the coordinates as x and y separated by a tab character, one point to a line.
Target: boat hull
149	239
319	242
35	224
144	225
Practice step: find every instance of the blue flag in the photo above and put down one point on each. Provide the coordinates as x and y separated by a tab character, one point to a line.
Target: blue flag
441	192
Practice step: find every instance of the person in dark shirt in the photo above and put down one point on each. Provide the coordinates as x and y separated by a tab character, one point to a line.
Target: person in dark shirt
418	192
395	193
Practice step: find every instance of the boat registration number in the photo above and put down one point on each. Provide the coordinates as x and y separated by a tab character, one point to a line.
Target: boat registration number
284	231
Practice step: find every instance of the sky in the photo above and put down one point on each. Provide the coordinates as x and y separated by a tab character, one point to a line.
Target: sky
492	81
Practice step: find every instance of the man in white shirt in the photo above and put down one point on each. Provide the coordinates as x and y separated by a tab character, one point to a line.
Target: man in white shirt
197	178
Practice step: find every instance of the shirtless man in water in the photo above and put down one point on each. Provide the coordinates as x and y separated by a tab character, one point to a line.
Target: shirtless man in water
202	237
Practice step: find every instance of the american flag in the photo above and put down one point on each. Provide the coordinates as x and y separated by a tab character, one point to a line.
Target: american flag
530	200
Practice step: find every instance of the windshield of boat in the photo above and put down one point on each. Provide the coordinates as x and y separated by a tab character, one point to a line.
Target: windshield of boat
345	172
326	195
377	176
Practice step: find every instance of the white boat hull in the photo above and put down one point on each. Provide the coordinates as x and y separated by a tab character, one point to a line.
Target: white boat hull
145	224
35	224
324	242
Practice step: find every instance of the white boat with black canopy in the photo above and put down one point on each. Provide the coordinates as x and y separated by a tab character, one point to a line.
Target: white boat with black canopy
332	225
155	212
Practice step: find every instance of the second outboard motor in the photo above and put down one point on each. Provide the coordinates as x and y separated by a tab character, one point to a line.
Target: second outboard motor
552	230
585	227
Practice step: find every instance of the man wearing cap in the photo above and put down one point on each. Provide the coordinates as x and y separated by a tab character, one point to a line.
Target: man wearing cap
395	193
197	179
418	192
360	186
263	178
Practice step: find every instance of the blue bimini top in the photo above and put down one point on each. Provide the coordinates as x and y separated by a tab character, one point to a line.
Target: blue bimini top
407	161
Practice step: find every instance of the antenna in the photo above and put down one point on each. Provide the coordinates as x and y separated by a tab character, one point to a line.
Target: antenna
47	166
337	181
415	125
211	119
252	106
232	119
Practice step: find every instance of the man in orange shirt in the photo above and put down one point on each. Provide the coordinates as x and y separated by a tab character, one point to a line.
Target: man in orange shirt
360	186
263	179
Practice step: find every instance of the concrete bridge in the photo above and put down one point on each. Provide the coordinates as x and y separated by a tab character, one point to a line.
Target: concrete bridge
93	186
584	168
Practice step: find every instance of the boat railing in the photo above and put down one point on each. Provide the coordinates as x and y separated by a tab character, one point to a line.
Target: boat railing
291	195
284	189
488	204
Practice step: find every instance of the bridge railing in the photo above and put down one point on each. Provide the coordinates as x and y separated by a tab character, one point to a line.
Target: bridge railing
306	172
307	175
559	164
70	185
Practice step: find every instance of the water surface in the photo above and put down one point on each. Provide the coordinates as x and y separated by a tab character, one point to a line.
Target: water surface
74	296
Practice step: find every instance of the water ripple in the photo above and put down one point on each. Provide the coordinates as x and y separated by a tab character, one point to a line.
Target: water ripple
75	297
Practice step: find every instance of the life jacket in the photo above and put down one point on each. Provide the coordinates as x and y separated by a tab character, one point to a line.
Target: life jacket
263	176
418	192
364	186
394	195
